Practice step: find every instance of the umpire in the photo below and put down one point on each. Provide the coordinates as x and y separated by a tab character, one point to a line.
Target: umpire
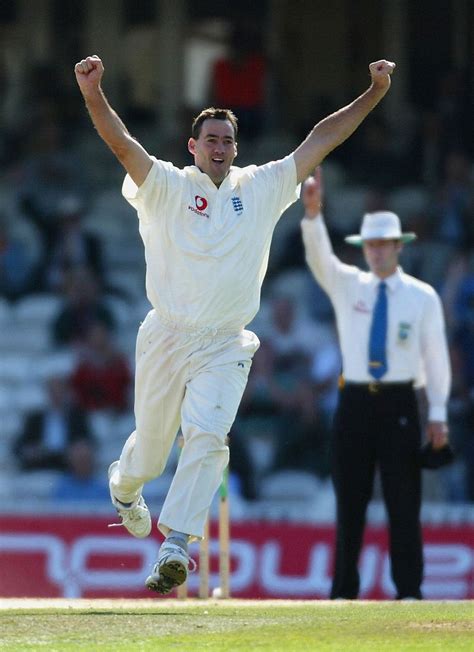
392	339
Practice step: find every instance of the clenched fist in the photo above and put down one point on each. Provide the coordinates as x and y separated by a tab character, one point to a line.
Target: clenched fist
89	73
312	194
380	72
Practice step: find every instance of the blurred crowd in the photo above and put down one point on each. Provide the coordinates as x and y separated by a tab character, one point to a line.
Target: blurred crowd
60	243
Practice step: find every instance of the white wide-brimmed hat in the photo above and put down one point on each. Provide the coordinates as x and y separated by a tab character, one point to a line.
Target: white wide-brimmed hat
382	225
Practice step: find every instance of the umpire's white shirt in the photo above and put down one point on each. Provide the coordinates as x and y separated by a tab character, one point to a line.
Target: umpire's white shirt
416	343
207	248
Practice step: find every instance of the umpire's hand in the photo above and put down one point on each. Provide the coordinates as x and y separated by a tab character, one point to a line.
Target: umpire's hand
437	433
312	194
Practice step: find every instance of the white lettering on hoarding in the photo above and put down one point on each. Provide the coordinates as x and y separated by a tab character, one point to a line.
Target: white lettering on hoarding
254	567
88	578
446	569
244	565
369	569
447	566
66	566
51	546
315	581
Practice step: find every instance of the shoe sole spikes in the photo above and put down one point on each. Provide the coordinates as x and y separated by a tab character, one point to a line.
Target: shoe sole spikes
168	576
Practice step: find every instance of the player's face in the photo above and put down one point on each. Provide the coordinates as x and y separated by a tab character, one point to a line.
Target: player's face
382	256
215	149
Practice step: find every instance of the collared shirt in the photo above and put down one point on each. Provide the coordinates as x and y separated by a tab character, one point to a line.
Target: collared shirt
416	340
207	248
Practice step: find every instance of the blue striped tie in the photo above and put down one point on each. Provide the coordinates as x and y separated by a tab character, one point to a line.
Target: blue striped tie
378	335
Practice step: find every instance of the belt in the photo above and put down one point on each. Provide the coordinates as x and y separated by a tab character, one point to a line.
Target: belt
377	387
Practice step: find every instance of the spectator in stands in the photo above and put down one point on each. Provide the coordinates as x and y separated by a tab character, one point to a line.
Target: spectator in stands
453	206
423	158
463	361
304	357
71	246
258	421
16	266
455	272
304	346
292	333
102	379
455	296
325	369
206	42
239	80
48	174
374	161
83	307
47	433
302	438
79	481
452	106
464	330
279	409
241	464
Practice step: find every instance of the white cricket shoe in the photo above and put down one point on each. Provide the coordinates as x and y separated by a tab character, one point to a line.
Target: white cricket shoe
136	518
171	569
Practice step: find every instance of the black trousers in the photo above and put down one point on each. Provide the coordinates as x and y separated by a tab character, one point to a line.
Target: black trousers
377	429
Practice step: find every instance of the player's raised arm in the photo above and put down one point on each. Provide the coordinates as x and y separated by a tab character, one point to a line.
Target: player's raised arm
337	127
110	127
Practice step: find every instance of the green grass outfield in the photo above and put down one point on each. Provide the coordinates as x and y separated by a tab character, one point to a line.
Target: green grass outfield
273	625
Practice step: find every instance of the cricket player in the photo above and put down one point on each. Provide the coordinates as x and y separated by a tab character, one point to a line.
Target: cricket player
207	230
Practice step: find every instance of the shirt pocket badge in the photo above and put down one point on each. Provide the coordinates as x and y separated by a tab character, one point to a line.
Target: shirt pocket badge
404	330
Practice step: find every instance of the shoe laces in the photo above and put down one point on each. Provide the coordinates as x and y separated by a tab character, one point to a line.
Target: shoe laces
169	549
128	514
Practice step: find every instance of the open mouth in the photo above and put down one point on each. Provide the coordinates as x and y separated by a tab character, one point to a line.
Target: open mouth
219	161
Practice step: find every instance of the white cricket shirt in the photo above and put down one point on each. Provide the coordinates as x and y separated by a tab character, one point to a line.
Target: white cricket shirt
207	248
416	340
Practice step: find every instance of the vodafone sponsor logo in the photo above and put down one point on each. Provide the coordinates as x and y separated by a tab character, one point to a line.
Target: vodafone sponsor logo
74	559
200	205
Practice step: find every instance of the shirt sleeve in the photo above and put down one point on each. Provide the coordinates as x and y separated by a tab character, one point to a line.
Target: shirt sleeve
434	349
277	186
327	269
159	184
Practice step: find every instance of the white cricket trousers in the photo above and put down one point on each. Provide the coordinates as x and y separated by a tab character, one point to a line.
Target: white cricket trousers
192	379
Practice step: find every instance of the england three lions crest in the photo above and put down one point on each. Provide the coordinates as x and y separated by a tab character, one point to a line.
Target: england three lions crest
237	205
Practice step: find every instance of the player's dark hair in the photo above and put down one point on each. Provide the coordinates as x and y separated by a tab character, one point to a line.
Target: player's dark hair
213	114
